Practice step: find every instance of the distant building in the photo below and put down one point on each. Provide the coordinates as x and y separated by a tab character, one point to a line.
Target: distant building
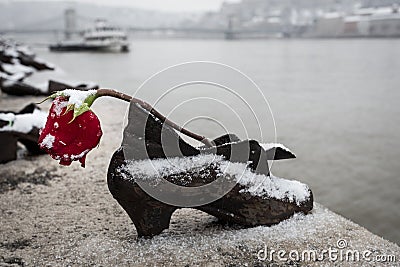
328	25
352	26
364	22
385	23
304	18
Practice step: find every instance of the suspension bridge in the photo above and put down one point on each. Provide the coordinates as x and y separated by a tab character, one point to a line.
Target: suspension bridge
72	24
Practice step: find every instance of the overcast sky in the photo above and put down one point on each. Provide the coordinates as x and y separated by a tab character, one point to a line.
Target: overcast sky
164	5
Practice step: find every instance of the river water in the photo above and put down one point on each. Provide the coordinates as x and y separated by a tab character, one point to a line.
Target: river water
336	104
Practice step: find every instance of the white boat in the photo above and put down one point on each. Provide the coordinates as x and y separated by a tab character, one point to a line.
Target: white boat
100	38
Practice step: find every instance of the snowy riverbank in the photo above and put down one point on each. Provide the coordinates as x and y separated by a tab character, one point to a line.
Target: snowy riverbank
57	216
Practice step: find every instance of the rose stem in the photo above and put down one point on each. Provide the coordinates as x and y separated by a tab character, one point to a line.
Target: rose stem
149	108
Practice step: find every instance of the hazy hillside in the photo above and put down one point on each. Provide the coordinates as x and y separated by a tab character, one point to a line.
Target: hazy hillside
49	15
25	15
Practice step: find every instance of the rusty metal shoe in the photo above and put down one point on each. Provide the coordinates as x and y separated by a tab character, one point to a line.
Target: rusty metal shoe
155	153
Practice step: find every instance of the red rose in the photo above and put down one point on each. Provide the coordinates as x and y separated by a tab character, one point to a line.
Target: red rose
67	138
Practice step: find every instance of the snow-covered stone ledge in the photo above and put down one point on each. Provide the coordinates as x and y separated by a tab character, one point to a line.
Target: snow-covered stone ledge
95	231
322	238
73	221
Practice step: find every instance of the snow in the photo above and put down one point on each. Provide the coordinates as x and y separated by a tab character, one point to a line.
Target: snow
154	169
79	156
48	141
17	68
58	107
77	97
8	83
7	116
42	61
25	50
24	123
194	239
11	52
8	80
254	184
268	146
15	77
3	75
71	157
266	186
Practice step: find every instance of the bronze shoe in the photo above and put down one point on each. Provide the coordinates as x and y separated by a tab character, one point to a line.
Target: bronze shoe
10	137
265	200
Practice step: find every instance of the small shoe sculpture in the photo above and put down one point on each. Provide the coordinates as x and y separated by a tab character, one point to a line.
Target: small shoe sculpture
14	85
23	127
154	152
